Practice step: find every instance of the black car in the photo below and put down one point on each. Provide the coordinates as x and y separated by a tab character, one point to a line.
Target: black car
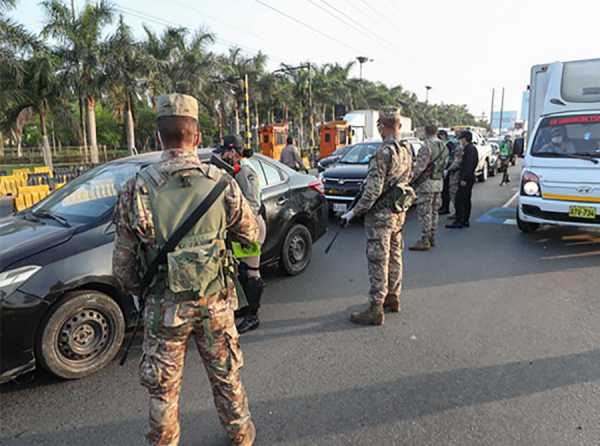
330	160
342	182
60	306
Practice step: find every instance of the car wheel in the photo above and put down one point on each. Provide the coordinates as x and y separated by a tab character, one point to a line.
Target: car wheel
526	227
81	335
483	176
296	251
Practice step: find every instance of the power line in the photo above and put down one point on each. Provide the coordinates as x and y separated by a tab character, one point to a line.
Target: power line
339	18
165	22
377	36
376	13
306	25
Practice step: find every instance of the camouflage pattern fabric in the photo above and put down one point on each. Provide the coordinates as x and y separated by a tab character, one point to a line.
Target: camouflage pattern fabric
384	255
428	205
210	321
454	172
169	322
390	165
423	169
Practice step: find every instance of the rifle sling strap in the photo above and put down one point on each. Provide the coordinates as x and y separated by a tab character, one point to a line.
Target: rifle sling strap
183	230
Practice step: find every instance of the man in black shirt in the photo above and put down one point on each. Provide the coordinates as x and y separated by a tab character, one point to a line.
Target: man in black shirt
467	179
445	208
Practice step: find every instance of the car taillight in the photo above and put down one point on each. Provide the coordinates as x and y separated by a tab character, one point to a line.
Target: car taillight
318	186
530	185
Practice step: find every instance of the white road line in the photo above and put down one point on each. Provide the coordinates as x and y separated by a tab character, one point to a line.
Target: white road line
509	202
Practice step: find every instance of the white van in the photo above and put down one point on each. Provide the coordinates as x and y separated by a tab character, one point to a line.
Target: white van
560	182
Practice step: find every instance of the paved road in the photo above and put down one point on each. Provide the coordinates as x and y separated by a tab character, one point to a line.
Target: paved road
6	206
497	345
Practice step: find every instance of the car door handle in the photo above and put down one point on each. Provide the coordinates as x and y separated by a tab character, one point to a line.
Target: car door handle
281	201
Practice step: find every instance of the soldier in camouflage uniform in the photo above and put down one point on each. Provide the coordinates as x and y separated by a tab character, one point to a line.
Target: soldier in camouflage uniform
391	165
454	173
428	181
180	303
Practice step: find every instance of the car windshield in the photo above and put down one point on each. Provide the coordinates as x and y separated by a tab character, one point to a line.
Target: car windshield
90	196
359	154
566	136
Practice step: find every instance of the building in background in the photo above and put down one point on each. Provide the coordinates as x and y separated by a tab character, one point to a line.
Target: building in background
525	106
508	120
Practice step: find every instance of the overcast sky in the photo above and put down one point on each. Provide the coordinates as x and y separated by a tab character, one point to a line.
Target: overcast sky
462	48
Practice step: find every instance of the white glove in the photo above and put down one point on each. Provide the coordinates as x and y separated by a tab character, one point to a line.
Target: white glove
347	217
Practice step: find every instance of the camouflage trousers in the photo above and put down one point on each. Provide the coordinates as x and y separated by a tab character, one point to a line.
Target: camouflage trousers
384	254
428	206
453	184
168	327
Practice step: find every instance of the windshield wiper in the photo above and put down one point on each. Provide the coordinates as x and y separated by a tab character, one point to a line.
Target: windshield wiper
47	214
581	156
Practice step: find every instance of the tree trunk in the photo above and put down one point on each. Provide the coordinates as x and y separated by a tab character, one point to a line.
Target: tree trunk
46	151
1	145
257	118
130	127
83	129
19	145
91	119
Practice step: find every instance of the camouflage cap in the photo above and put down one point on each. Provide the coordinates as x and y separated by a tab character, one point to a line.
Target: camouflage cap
177	104
390	114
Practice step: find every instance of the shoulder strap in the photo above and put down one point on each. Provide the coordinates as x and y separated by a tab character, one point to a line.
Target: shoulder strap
183	229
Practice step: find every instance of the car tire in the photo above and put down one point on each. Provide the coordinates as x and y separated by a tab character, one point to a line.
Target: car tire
296	250
81	335
483	176
526	227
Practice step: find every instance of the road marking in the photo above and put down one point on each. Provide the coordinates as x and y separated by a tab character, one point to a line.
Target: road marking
510	221
509	202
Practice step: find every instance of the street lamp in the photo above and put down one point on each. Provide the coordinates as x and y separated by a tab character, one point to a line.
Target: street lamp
427	88
362	60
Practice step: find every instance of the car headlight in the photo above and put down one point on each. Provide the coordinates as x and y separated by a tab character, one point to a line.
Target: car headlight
11	280
530	184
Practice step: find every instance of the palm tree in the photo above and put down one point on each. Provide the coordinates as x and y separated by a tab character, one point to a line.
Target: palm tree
180	64
127	70
39	91
80	45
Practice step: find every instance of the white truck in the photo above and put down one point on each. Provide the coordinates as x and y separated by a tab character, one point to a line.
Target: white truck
363	124
560	182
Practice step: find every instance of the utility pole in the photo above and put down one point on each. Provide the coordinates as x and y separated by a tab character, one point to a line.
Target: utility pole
501	113
427	89
492	109
362	60
247	133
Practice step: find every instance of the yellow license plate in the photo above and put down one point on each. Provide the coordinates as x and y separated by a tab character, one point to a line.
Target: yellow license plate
586	212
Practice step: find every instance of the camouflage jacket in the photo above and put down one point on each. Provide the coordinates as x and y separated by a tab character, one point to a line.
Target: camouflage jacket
432	148
387	167
134	225
454	168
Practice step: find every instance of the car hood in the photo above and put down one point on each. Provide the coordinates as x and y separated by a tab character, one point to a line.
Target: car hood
347	171
20	238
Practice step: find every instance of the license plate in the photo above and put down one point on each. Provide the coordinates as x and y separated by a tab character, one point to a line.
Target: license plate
340	208
586	212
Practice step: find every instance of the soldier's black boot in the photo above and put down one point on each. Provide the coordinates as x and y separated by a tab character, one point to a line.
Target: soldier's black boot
254	290
371	316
